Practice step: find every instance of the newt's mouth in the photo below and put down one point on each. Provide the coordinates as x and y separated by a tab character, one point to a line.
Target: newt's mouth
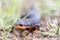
21	27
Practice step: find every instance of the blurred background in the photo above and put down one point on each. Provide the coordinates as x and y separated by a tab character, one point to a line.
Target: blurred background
10	11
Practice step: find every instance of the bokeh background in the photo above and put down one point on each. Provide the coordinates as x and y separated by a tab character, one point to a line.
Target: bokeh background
10	11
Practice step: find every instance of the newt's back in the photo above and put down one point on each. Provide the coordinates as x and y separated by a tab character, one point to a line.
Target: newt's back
30	19
33	17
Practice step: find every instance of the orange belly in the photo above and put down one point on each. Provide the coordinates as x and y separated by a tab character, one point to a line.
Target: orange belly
22	27
26	27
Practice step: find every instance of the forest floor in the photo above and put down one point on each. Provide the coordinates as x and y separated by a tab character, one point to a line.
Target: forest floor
16	34
31	36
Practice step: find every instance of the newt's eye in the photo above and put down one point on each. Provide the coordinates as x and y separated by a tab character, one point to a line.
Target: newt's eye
21	25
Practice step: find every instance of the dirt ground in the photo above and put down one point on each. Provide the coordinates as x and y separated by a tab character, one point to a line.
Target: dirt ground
34	36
